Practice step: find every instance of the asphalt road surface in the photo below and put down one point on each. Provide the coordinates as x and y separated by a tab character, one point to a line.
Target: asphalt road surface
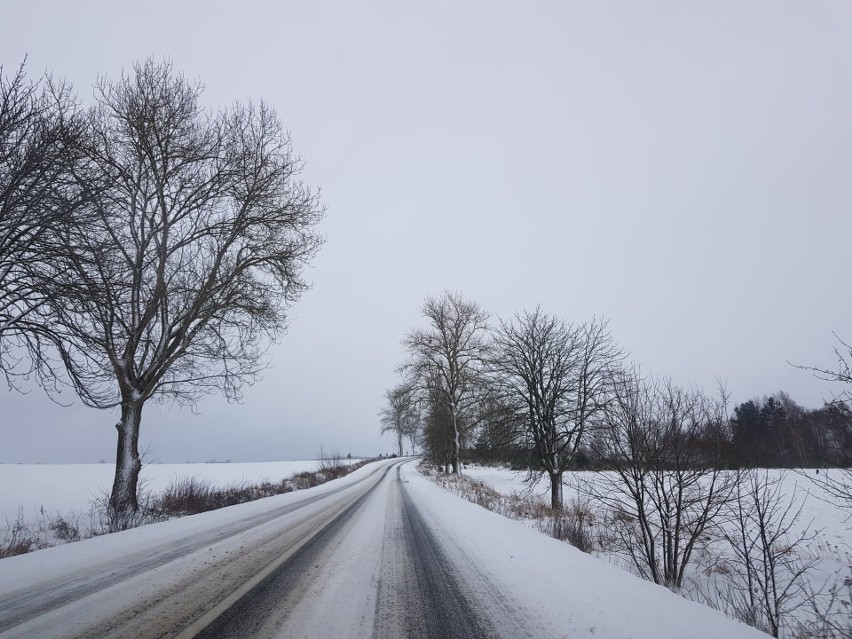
356	561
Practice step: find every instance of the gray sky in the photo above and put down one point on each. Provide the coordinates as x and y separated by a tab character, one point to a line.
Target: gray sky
682	168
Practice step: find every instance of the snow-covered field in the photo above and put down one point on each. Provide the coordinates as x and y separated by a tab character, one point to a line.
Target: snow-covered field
835	528
35	491
826	531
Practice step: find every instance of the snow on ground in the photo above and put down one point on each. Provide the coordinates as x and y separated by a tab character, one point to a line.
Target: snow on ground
53	564
559	590
817	513
570	593
828	528
38	490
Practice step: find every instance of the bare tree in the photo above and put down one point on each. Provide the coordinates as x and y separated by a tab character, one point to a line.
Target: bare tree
664	449
400	415
557	377
769	580
200	231
445	359
38	124
438	436
843	371
838	483
501	430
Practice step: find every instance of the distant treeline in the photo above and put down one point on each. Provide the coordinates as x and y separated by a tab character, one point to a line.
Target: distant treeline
769	432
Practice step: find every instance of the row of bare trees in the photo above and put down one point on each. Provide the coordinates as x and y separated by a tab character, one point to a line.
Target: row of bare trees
149	247
534	377
536	383
445	366
401	416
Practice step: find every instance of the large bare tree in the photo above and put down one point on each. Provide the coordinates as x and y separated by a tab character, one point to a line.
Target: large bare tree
39	122
445	360
199	233
557	377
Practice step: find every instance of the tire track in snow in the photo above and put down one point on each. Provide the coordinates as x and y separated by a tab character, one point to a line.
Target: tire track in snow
404	586
446	611
262	611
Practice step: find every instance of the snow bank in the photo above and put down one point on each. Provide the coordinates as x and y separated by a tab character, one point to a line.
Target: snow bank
572	594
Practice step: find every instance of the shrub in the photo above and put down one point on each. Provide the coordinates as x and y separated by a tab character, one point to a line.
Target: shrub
16	538
64	530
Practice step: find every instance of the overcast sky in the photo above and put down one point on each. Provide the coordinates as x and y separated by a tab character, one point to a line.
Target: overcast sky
682	168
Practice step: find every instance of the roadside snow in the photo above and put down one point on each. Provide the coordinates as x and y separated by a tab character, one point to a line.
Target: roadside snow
570	593
825	528
61	563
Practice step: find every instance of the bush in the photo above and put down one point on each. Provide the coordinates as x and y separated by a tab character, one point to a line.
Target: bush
16	538
64	530
574	524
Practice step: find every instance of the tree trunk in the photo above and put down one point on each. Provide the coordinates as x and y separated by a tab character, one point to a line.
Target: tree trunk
456	445
399	441
555	491
123	502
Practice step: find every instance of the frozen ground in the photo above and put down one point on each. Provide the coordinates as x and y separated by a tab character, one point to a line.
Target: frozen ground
68	490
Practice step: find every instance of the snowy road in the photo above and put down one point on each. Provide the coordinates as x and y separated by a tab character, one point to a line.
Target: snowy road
377	570
381	553
355	561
